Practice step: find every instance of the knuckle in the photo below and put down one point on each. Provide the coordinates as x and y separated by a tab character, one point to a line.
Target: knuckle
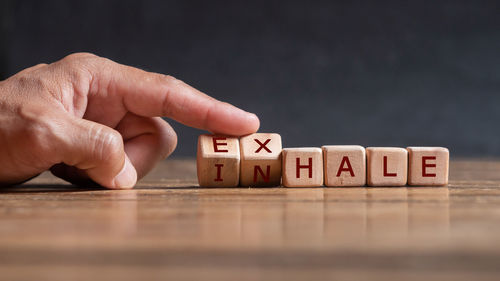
168	144
40	65
33	82
108	143
75	68
75	63
171	80
79	57
172	85
167	139
167	79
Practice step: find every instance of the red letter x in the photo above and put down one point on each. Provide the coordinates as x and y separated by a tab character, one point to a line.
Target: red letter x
262	145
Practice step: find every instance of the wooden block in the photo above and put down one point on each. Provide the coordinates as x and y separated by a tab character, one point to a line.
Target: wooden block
218	161
260	160
345	165
387	166
428	166
302	167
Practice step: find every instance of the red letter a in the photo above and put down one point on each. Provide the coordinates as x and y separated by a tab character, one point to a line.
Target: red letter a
345	160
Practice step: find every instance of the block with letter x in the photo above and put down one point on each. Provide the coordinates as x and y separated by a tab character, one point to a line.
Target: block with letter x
260	160
218	161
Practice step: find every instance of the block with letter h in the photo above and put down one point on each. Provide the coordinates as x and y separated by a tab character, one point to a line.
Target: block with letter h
302	167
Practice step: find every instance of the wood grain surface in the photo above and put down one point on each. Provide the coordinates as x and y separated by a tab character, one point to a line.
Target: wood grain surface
168	228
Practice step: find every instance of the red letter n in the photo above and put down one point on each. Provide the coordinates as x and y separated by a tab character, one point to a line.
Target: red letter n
309	166
265	177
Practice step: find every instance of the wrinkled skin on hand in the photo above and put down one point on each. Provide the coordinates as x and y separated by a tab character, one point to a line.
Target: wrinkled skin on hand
87	118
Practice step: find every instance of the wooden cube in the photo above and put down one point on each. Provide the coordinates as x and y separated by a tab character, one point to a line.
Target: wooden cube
260	160
428	166
302	167
387	166
344	165
218	161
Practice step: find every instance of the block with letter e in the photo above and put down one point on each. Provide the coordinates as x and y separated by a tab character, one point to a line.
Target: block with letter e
302	167
218	161
260	160
428	166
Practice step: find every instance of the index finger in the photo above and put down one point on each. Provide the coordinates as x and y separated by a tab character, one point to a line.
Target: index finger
152	94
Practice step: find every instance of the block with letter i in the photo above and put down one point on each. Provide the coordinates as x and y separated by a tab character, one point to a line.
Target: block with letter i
428	166
218	161
302	167
345	165
387	166
260	160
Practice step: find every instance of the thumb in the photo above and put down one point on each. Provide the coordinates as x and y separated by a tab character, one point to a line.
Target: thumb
98	150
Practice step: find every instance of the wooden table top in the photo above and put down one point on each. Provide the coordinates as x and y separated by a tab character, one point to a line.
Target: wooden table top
168	228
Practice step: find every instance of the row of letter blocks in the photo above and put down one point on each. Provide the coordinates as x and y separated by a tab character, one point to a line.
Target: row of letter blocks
259	160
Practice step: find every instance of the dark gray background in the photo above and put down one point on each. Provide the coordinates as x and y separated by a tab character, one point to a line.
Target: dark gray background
379	73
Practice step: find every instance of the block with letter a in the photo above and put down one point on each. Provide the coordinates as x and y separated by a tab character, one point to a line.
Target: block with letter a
302	167
260	160
428	166
386	166
345	165
218	161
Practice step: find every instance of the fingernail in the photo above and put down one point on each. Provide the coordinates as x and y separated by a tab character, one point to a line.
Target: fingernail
127	176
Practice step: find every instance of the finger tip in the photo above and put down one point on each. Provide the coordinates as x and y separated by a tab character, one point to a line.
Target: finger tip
244	124
253	122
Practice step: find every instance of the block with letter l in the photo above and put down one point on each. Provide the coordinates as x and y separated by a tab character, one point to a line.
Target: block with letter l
386	166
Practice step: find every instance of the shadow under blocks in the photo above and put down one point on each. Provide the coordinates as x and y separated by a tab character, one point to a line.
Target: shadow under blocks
259	160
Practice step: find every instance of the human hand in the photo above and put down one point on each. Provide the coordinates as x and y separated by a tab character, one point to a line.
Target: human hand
86	117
